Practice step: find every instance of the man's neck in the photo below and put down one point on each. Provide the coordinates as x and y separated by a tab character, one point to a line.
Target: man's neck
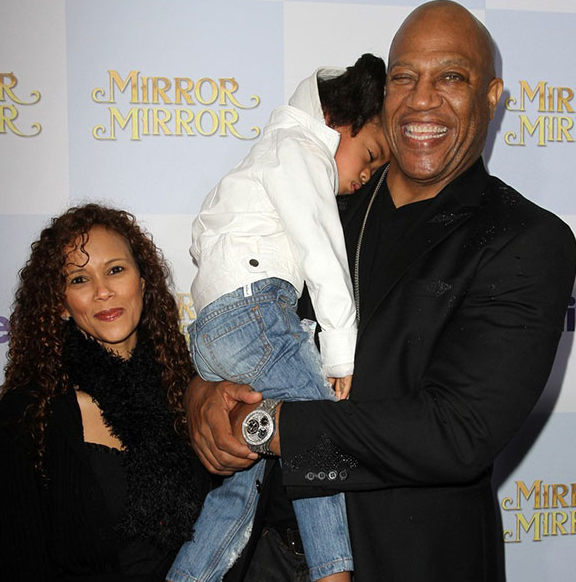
404	190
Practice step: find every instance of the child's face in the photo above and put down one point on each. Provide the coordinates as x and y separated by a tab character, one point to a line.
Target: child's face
358	157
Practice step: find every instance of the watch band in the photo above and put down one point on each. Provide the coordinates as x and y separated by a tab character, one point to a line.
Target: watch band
259	426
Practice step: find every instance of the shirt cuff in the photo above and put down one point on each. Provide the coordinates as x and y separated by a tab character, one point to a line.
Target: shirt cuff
337	347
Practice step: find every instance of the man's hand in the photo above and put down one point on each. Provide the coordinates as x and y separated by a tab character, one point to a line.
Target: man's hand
208	405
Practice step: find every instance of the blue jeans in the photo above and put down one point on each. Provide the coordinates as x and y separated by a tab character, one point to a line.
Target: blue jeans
254	336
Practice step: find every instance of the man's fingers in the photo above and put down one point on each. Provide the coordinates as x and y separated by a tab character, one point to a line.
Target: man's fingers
211	464
234	393
218	461
208	406
229	446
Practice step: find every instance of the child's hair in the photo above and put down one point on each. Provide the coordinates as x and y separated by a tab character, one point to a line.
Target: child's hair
356	96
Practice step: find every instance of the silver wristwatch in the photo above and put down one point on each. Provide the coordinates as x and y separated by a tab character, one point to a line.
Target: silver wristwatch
259	426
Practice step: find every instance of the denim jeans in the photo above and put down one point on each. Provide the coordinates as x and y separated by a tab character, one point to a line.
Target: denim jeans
254	336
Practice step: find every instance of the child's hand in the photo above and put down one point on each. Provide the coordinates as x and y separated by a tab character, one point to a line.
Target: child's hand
341	386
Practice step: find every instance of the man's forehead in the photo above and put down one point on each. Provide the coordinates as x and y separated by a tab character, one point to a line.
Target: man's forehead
437	58
450	47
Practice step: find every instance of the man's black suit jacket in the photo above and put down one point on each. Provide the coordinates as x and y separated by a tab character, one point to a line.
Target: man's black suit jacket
459	330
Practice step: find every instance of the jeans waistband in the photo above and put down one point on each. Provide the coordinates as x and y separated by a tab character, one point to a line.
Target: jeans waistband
263	284
264	289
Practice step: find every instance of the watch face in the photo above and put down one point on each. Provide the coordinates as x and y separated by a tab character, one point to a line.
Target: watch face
257	427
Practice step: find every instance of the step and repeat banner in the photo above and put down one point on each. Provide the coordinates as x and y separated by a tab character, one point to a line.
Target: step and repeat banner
145	104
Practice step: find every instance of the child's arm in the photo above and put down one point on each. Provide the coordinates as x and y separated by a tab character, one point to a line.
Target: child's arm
300	181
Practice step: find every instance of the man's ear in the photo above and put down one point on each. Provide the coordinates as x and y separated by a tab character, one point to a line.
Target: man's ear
495	88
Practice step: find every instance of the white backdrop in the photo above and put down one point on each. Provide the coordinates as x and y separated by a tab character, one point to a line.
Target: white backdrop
145	104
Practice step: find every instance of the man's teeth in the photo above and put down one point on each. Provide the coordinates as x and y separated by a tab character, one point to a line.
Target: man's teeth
423	132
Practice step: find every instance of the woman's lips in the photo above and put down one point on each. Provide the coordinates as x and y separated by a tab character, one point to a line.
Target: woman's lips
109	314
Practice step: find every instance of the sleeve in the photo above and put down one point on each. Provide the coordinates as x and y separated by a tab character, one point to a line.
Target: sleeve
23	547
300	182
489	367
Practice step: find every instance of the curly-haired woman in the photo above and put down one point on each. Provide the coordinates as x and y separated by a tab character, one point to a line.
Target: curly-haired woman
98	482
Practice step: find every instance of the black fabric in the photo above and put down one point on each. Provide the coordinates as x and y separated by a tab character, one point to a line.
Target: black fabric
275	562
59	529
136	556
385	228
110	472
460	323
163	498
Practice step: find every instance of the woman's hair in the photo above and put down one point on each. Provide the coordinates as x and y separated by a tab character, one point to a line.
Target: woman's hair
356	96
37	329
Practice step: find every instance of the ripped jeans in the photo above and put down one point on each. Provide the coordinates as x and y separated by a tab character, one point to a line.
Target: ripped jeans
254	336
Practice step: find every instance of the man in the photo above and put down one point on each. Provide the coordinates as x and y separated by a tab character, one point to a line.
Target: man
463	286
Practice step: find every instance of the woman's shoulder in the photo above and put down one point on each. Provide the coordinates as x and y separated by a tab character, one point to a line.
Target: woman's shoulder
15	439
13	405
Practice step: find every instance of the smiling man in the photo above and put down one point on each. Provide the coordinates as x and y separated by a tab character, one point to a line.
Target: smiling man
463	285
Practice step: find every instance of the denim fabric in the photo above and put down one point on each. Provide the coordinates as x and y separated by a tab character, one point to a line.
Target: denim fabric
254	336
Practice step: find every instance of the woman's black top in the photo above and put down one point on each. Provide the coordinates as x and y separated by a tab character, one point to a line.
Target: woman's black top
62	527
135	557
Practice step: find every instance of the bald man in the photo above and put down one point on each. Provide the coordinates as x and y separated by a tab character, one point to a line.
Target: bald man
463	287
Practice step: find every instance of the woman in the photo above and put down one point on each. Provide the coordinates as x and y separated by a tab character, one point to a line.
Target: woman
98	482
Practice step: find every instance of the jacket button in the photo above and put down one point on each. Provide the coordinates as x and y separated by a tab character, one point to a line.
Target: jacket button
332	475
321	475
309	476
343	475
253	262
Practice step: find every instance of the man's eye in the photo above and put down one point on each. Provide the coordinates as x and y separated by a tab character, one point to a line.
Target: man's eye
371	156
401	79
453	77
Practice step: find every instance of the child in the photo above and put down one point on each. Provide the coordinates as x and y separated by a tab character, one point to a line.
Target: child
269	226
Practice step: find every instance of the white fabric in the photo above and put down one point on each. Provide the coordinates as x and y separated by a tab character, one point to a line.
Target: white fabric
275	215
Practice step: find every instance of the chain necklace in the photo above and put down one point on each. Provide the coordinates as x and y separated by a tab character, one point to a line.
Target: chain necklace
359	245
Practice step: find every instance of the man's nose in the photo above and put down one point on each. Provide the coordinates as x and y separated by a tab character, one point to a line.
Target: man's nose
424	95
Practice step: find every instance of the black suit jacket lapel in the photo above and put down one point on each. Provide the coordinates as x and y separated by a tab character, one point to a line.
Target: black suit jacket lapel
452	207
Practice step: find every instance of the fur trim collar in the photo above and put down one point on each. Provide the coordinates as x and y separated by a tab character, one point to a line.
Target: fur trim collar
164	478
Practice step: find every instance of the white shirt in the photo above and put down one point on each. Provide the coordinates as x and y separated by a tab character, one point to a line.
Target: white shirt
275	215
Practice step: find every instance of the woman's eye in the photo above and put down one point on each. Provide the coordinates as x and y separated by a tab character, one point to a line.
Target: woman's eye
116	269
77	280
